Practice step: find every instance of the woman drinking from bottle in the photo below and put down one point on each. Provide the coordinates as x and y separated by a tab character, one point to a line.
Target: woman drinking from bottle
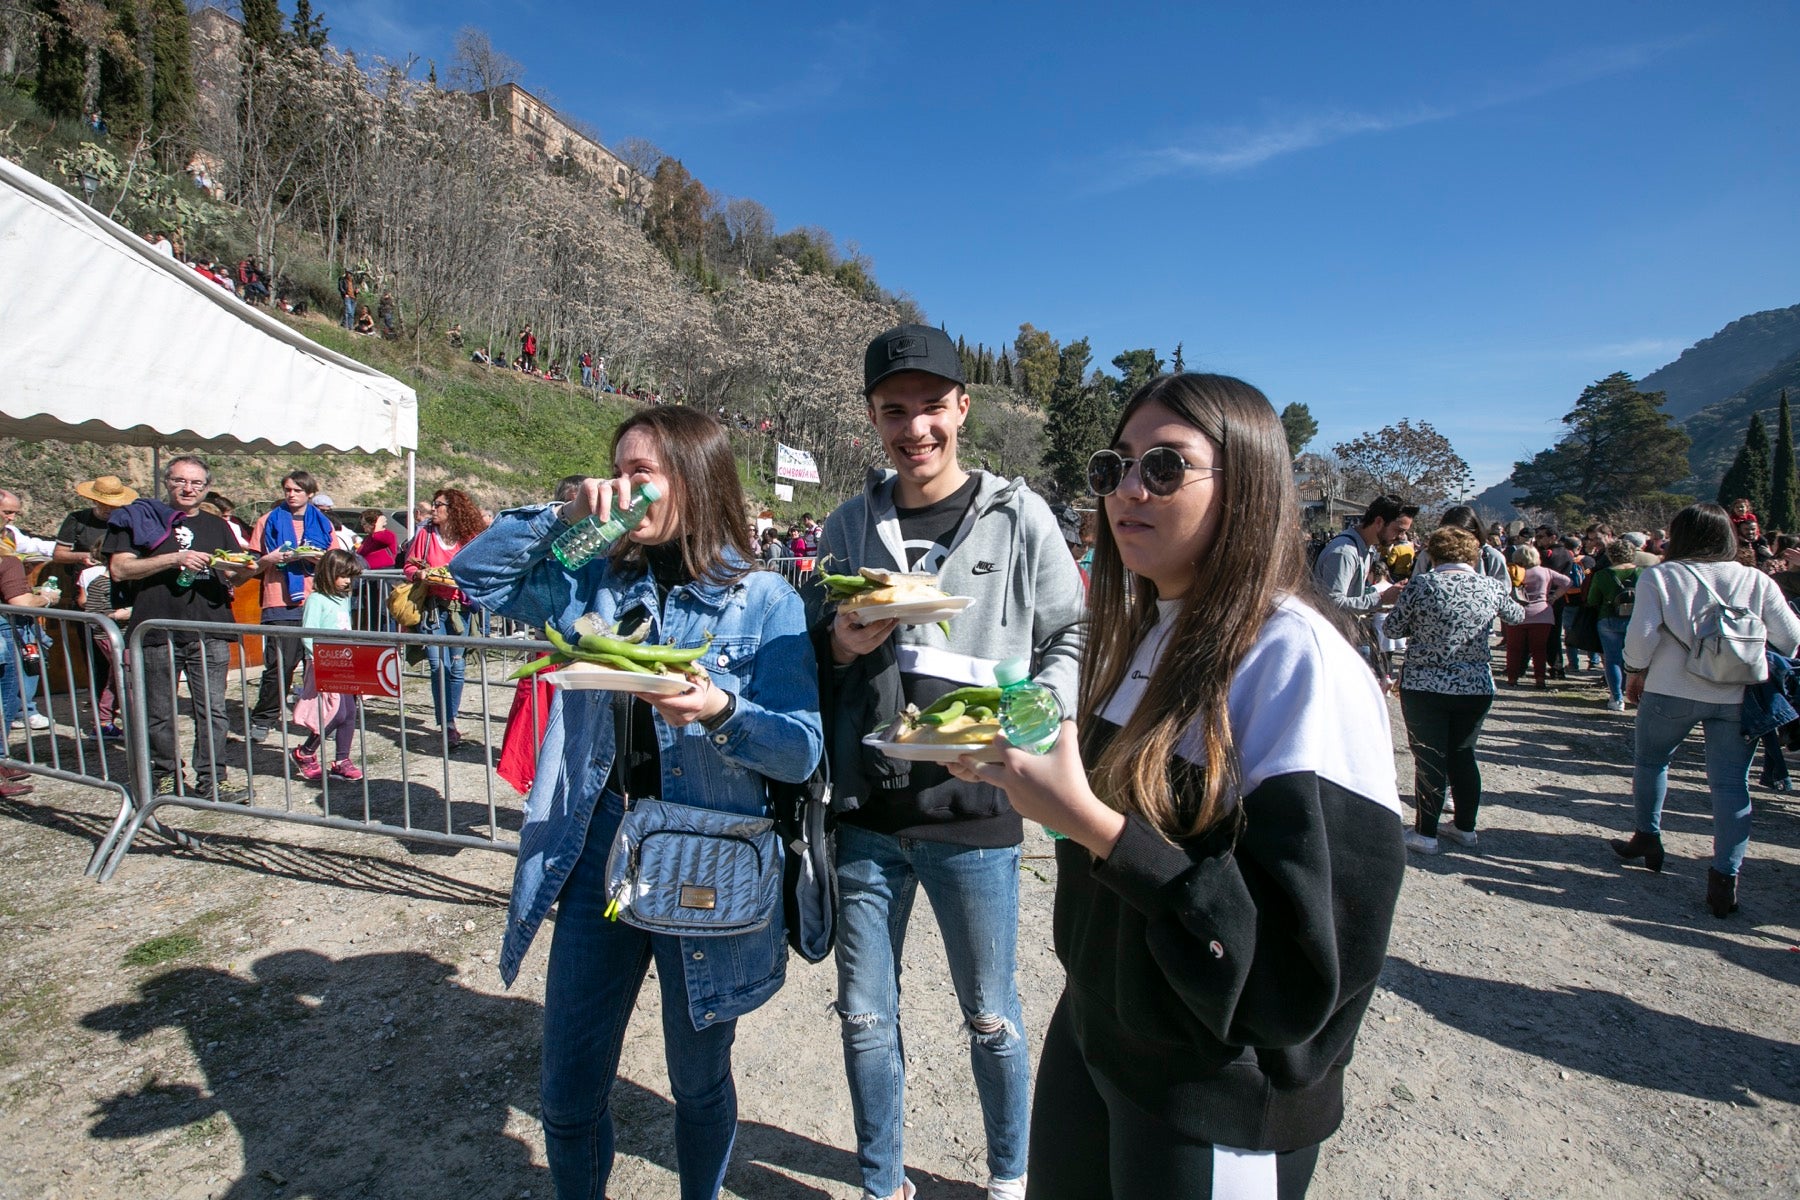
1233	848
684	572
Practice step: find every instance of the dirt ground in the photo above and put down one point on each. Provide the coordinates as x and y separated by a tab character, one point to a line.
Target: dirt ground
289	1012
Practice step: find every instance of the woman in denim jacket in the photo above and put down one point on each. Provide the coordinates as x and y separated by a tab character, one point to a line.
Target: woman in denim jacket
688	571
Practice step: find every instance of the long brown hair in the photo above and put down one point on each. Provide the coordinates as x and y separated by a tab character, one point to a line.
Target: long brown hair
1255	558
704	488
462	522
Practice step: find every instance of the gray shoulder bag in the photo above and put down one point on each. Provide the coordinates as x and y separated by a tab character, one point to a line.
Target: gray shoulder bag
695	872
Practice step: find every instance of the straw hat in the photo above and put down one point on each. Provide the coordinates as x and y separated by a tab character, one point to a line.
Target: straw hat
108	489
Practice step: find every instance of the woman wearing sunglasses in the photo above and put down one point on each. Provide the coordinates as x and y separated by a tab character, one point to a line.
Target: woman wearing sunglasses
1233	851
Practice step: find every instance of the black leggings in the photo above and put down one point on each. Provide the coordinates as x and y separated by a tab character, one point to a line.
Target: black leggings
1088	1142
1442	730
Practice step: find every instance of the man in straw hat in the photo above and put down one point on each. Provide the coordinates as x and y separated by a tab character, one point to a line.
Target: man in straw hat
78	539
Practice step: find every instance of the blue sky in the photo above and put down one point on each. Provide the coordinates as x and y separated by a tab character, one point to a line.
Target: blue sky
1459	213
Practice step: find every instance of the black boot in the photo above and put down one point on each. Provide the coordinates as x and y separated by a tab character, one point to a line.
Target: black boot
1721	893
1647	846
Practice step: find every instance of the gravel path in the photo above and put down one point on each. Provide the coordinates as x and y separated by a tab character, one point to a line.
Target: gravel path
322	1016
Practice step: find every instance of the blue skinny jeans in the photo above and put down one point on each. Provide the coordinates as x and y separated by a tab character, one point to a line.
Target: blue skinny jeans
596	967
975	895
1663	722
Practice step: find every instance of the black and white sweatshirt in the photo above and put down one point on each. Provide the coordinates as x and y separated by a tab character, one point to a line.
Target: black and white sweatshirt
1221	987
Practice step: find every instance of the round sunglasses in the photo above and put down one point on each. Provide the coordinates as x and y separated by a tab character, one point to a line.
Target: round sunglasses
1160	468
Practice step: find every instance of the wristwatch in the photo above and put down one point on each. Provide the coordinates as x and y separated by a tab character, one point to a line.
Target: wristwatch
711	724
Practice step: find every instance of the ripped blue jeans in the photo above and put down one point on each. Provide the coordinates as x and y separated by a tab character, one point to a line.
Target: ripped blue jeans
975	895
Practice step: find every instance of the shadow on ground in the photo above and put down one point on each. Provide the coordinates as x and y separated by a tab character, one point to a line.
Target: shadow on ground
376	1075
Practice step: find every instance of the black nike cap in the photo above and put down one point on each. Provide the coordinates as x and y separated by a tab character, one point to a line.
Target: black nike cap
911	348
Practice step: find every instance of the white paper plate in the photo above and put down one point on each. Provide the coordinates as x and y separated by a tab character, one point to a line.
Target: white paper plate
929	751
591	677
912	612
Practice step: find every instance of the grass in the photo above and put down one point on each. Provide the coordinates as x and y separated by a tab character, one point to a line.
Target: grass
158	950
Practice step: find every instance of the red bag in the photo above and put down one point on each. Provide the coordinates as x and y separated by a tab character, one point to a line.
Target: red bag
519	745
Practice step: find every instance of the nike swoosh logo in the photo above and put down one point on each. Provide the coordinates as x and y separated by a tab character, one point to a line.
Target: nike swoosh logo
984	568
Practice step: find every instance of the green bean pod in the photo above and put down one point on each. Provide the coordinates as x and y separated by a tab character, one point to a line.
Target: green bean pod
619	662
533	667
942	716
644	654
967	697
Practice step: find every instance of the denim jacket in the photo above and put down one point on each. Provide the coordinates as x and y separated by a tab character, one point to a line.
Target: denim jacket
760	652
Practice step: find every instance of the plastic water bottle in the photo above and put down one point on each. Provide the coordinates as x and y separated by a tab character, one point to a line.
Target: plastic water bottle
592	537
184	578
1030	715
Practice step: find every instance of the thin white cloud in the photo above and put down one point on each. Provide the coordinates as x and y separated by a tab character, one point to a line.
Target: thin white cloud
844	54
1638	348
1228	150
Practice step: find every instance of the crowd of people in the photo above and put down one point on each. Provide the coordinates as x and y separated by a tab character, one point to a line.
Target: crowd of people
1230	833
1642	608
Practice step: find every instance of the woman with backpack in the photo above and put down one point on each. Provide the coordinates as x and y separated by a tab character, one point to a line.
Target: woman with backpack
1612	592
1679	678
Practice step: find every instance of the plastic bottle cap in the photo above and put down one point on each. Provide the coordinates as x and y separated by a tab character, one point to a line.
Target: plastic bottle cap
650	492
1012	671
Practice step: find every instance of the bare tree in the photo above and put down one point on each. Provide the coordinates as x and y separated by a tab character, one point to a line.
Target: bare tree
640	154
480	68
752	230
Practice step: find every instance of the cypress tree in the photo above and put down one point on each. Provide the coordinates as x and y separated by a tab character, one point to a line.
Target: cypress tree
62	64
1784	480
124	100
1748	477
262	23
171	66
1006	375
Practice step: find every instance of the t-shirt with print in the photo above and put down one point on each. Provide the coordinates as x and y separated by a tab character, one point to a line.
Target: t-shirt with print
82	530
927	535
157	597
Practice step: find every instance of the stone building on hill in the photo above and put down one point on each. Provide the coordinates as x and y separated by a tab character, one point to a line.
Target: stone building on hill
534	123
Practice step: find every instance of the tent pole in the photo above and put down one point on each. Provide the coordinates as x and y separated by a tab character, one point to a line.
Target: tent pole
412	487
155	469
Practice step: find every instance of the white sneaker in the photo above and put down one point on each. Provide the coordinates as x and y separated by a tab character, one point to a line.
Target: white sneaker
1616	705
907	1192
1006	1189
1418	842
35	720
1458	836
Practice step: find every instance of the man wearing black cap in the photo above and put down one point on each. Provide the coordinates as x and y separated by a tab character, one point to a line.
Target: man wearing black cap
912	825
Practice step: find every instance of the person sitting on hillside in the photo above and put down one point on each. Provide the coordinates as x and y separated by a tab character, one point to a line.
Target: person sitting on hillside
365	321
387	315
454	333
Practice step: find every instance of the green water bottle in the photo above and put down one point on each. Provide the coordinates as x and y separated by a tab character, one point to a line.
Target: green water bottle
1030	715
587	539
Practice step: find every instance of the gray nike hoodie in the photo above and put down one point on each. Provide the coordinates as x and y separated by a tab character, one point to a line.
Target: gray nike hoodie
1010	556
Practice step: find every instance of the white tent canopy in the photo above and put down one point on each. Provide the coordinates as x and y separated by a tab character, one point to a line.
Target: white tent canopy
104	339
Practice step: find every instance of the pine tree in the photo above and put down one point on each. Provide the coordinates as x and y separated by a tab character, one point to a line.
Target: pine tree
62	63
1748	478
1006	375
171	66
1784	480
1180	363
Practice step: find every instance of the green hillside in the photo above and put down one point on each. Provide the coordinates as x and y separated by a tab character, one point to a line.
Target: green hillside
1727	363
1718	429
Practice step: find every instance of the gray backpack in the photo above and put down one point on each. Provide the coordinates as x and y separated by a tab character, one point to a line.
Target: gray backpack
1730	642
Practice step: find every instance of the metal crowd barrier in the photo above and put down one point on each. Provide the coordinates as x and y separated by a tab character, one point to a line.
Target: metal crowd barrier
795	570
369	608
80	660
262	779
